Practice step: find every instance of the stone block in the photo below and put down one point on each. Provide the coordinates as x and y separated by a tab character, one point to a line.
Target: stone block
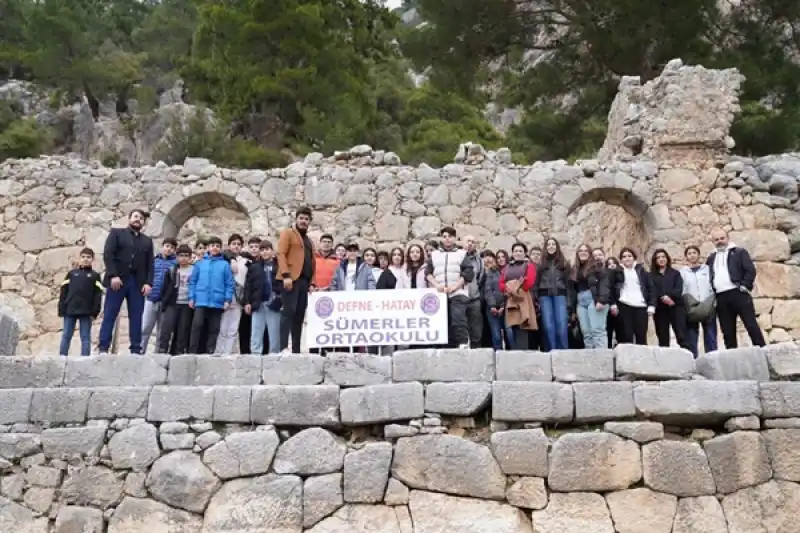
60	406
653	362
292	369
15	405
123	402
9	335
366	473
743	423
208	370
310	452
738	460
697	402
168	404
135	515
641	432
739	364
527	493
232	404
782	447
530	401
58	443
114	371
524	365
242	454
396	493
92	485
642	510
783	360
442	463
679	468
703	514
443	365
457	399
579	462
521	452
600	401
576	512
322	496
15	446
375	404
295	405
134	448
357	369
583	365
183	441
75	519
31	372
780	399
43	476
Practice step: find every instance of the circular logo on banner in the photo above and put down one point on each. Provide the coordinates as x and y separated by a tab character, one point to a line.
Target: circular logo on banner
429	304
324	307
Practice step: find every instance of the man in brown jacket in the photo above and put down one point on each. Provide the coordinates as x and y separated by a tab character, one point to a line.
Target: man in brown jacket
296	269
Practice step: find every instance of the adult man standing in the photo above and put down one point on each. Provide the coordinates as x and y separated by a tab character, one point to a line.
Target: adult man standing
449	271
474	308
732	276
128	256
296	269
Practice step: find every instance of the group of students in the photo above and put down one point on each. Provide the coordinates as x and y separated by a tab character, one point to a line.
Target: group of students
199	300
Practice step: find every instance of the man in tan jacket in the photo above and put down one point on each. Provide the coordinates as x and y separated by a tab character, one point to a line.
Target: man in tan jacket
296	269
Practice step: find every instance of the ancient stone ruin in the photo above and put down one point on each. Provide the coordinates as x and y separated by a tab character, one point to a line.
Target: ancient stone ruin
636	440
662	179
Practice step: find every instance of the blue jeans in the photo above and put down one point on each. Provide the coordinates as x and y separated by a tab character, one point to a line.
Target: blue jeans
132	294
265	318
85	333
497	325
556	324
592	321
709	334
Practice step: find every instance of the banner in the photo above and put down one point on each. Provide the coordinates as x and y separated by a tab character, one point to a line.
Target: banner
342	319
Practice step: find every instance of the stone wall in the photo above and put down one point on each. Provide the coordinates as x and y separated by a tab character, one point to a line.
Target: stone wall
53	206
637	440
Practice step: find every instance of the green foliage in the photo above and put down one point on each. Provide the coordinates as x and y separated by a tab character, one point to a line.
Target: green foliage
20	137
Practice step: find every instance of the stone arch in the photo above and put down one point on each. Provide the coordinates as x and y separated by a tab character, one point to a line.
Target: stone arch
184	202
623	215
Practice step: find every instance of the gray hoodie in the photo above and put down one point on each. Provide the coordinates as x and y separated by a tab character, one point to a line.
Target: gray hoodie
474	286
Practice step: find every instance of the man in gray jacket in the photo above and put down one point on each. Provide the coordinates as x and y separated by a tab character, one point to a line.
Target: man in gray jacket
449	271
474	307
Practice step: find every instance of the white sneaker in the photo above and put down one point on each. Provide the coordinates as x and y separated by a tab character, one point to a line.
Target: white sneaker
286	351
463	346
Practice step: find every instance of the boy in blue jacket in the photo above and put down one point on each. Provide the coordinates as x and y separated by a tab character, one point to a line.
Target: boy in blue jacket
162	263
210	294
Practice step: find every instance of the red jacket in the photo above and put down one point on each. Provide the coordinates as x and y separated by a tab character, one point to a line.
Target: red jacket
527	282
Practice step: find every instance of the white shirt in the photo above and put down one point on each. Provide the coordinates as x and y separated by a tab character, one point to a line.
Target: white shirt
401	274
722	277
631	293
350	277
697	282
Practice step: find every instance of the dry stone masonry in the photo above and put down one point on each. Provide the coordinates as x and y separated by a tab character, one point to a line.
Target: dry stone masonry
646	197
634	440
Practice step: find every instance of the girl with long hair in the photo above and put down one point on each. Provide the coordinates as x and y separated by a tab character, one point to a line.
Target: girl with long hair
553	289
635	299
370	257
592	296
613	323
667	286
501	256
516	282
415	267
397	268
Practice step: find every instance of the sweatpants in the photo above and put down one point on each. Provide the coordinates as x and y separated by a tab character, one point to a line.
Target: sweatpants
205	324
150	321
228	329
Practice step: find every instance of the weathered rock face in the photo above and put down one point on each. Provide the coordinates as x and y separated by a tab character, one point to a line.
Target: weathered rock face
178	445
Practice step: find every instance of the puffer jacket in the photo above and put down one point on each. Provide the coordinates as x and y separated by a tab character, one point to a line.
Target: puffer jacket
364	278
212	283
161	264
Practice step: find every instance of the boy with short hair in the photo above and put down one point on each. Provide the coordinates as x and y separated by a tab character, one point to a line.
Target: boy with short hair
152	306
199	250
229	327
210	294
79	302
262	301
176	315
246	321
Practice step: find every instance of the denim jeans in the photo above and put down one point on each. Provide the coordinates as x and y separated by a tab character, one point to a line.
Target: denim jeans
85	333
592	321
554	316
497	326
709	334
131	293
265	318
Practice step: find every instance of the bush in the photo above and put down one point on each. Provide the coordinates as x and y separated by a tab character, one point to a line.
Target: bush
24	138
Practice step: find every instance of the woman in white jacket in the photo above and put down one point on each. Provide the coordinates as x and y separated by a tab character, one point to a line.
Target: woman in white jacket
415	267
397	267
697	283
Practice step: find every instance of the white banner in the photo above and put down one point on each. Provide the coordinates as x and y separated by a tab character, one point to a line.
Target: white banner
342	319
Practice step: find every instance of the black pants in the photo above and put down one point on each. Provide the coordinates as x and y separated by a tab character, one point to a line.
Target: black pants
521	338
475	322
173	332
205	323
245	326
293	313
735	304
614	329
457	316
674	316
633	324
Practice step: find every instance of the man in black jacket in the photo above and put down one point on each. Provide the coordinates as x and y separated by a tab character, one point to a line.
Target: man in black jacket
128	255
733	275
